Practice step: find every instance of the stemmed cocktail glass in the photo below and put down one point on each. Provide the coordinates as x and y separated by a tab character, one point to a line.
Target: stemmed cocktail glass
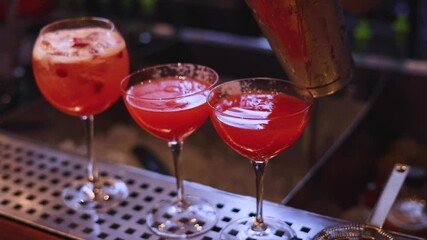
259	118
78	64
169	101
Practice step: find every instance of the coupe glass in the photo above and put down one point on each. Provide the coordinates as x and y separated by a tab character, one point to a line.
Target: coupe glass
169	102
259	118
78	64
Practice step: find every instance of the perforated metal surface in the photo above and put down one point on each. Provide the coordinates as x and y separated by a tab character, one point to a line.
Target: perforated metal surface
32	176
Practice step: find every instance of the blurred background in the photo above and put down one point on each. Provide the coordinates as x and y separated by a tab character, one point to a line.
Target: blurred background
338	166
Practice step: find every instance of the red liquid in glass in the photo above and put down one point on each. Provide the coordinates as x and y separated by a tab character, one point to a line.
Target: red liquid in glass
260	125
78	71
169	108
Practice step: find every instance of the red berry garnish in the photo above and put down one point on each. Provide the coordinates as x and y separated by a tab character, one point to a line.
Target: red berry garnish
79	42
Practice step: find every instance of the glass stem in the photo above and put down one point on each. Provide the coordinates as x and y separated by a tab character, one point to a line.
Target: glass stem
92	172
176	147
259	167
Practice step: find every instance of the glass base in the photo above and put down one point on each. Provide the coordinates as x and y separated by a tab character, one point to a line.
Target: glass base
172	219
82	195
241	230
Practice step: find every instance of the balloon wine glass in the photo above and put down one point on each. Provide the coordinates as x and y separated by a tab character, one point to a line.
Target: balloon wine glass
78	64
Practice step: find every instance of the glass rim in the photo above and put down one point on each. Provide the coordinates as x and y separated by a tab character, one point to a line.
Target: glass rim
124	82
309	94
112	28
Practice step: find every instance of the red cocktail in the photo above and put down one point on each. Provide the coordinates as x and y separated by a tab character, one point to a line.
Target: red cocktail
79	70
263	114
171	116
259	118
78	64
169	101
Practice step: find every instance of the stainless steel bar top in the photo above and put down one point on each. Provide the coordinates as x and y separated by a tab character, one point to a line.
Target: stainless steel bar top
32	176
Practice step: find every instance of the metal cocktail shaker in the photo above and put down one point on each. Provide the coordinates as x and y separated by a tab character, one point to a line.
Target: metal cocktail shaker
309	39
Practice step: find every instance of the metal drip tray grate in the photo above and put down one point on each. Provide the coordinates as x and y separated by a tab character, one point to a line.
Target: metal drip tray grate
32	177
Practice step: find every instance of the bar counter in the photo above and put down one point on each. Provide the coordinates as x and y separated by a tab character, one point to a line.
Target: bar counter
32	175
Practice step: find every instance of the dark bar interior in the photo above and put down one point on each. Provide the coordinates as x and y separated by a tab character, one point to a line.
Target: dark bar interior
333	174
